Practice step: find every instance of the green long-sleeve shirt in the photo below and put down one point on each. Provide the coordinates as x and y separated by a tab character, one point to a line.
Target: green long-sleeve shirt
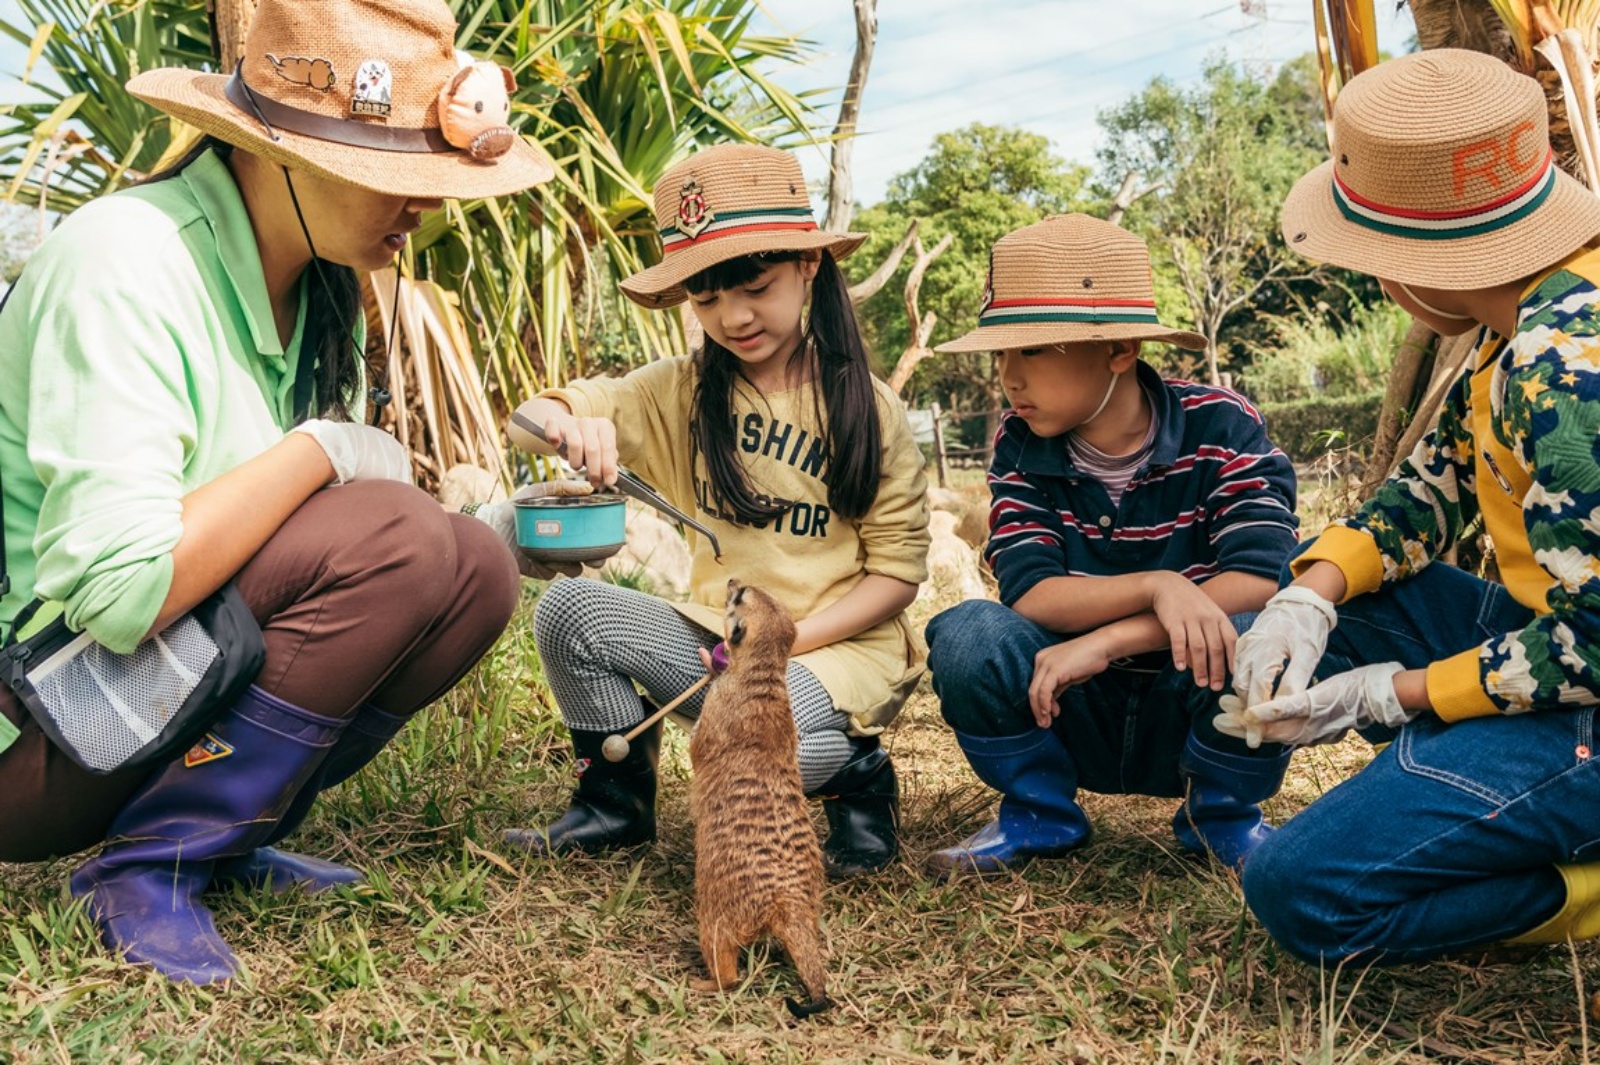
140	360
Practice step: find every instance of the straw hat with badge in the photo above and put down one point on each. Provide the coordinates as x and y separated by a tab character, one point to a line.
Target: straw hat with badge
724	203
1068	279
350	90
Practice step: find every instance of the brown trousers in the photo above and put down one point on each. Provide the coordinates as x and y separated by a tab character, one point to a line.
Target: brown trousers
370	592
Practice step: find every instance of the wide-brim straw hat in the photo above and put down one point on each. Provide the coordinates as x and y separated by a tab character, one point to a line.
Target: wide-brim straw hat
724	203
1441	176
294	99
1068	279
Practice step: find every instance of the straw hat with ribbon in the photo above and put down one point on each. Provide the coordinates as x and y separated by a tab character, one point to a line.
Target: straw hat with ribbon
1068	279
723	203
347	90
1441	176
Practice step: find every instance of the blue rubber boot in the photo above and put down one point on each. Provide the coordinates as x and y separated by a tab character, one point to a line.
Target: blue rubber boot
219	801
266	867
1222	813
1038	818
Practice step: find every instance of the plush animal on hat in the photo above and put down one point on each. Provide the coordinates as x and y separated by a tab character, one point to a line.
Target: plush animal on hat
475	106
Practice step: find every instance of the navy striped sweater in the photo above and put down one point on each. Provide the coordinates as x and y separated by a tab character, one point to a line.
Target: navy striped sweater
1215	496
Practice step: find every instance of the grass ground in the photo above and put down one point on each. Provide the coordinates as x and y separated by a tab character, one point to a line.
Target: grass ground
1128	953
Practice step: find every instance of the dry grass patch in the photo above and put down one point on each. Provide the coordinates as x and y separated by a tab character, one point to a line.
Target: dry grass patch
1128	953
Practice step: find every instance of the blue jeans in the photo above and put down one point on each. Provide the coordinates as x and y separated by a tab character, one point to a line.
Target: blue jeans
1446	841
1124	729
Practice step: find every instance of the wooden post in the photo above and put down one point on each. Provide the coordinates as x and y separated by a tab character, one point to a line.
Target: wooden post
938	442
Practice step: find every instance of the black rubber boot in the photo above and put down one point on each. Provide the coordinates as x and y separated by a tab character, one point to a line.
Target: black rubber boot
614	805
862	801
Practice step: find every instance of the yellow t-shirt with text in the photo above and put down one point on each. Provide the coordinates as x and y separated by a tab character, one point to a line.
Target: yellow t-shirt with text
807	558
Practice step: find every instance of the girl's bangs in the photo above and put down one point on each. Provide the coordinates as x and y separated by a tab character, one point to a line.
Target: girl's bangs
731	273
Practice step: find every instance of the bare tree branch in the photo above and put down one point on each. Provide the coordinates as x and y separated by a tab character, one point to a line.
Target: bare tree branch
880	277
841	191
921	324
1128	195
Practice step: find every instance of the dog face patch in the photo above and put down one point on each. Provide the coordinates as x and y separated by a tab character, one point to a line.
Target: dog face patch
374	85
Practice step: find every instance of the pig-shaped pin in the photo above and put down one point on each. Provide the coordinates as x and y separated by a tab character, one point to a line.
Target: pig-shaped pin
475	107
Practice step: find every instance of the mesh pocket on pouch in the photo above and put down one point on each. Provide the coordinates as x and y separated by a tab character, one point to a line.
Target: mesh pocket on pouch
109	706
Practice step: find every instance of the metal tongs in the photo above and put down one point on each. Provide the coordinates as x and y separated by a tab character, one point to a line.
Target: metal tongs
628	485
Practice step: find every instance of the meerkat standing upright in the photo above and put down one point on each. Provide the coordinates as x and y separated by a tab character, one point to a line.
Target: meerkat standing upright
758	867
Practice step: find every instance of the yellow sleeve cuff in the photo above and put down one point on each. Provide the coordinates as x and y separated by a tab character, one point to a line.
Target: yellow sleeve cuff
1455	688
1354	552
575	401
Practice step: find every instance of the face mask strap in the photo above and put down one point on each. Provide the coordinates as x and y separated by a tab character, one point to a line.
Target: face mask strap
1430	308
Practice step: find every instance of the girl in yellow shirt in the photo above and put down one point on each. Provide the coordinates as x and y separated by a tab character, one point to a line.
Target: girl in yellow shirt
774	435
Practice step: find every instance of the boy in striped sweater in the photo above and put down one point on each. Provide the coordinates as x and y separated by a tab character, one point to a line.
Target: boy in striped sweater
1136	525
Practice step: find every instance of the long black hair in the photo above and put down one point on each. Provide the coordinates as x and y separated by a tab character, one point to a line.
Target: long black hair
851	435
330	364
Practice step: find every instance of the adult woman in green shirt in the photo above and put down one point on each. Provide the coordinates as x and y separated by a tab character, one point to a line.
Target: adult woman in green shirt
183	407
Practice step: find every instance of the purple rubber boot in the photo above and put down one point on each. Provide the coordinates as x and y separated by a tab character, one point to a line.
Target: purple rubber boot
218	801
268	868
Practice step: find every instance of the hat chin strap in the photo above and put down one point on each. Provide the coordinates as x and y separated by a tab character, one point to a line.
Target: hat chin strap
379	392
1430	308
1112	387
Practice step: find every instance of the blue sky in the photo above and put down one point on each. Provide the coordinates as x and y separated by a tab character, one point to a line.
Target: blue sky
1046	65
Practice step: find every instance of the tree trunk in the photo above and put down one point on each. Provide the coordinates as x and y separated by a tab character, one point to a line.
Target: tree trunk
1405	383
869	287
841	192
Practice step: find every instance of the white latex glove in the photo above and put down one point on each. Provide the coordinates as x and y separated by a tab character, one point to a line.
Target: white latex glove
1322	713
359	452
1288	638
502	518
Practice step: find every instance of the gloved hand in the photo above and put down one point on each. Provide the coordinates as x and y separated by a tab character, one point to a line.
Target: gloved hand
359	452
502	518
1288	638
1322	713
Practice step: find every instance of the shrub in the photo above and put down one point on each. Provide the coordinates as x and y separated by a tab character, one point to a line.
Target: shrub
1307	429
1312	357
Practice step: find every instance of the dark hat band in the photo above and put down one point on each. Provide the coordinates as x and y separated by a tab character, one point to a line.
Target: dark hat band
353	132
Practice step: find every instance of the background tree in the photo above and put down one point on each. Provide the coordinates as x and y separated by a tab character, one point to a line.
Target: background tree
1223	154
975	185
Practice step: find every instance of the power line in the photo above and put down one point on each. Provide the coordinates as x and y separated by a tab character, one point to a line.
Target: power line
1028	68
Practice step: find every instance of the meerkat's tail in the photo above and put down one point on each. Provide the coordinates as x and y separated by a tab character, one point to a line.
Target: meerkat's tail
803	941
802	1010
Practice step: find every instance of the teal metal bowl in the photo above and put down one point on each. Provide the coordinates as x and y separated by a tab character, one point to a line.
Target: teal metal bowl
572	528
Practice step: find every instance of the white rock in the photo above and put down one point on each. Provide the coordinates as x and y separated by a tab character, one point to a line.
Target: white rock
953	573
945	499
465	483
655	547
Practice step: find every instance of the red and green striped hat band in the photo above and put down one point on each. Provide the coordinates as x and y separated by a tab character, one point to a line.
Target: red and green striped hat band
1017	312
733	223
1448	225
